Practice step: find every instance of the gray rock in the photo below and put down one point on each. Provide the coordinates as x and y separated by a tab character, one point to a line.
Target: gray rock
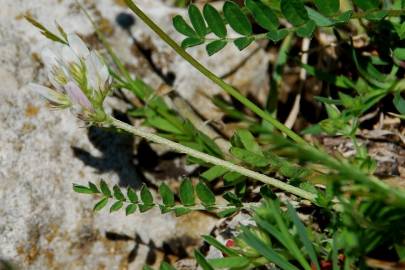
43	223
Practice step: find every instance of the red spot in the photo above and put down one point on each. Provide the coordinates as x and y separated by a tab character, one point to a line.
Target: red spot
229	243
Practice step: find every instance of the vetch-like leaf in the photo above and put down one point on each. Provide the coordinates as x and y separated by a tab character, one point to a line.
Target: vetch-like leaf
93	188
130	209
277	35
116	206
249	157
328	7
307	29
167	195
248	141
82	189
180	211
205	194
100	204
367	4
118	194
197	20
191	42
263	15
146	196
294	11
215	46
319	19
187	197
237	19
182	26
214	21
132	195
213	173
105	189
242	42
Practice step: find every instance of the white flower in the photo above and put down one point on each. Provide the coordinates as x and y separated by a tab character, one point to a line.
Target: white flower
97	73
54	97
77	96
79	77
78	46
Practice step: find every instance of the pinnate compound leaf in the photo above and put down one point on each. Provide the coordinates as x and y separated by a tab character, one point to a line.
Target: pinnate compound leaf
130	209
205	194
116	206
248	141
182	26
82	189
249	157
187	196
215	46
263	15
242	42
367	4
344	17
105	189
167	195
237	19
294	11
146	196
181	211
118	193
197	20
100	204
133	198
214	21
93	188
319	19
307	29
213	173
191	42
328	7
277	35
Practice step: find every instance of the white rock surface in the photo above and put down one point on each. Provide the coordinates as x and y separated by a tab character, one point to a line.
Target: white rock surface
43	223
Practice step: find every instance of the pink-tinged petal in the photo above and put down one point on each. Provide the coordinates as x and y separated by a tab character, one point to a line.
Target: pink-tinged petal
77	96
78	46
53	96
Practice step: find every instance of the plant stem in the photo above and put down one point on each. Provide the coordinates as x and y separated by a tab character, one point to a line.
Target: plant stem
226	87
138	131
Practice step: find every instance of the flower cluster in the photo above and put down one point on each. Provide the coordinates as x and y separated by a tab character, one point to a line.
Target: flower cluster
80	80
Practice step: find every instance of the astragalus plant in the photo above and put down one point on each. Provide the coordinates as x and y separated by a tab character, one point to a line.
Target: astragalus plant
357	220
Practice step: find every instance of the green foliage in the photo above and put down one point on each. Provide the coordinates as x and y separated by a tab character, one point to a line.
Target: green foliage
130	202
301	14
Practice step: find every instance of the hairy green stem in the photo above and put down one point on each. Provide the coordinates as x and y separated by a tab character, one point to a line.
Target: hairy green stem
138	131
226	87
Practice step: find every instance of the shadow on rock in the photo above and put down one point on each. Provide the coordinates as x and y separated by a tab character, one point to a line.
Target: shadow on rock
117	154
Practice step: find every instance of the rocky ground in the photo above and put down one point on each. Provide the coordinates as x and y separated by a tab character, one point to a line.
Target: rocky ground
43	223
